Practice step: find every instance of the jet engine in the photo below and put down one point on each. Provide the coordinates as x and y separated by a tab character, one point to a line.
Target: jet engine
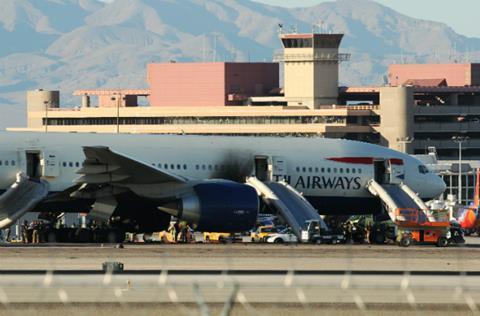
218	206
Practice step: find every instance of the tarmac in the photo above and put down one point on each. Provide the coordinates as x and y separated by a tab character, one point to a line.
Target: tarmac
247	256
245	279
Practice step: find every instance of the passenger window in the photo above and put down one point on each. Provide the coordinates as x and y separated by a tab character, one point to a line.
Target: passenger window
13	162
304	169
310	169
172	166
353	170
322	170
316	169
347	170
209	167
184	167
70	164
6	162
159	166
329	170
197	167
203	167
298	169
341	170
179	167
216	167
166	166
77	164
359	170
0	162
334	170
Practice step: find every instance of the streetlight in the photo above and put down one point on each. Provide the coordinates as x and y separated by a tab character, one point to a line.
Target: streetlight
404	141
459	140
46	115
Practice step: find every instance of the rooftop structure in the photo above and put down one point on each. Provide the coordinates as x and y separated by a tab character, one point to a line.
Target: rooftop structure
453	74
210	84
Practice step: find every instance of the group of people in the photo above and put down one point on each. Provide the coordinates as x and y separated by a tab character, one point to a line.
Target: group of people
181	232
31	232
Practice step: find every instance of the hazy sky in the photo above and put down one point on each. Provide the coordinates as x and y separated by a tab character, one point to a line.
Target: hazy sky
461	15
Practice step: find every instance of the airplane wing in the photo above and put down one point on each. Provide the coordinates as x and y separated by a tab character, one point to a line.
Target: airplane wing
105	166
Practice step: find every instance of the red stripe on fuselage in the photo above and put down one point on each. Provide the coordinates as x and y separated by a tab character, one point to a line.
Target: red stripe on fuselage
396	161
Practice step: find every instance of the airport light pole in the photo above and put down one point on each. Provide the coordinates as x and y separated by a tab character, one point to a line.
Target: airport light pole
404	141
46	115
459	140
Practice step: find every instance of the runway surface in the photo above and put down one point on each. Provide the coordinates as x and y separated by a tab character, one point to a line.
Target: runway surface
267	279
245	257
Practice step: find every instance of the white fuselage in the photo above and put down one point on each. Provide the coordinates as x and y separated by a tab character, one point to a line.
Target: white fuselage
317	167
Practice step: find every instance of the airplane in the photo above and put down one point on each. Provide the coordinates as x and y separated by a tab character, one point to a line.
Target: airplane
138	181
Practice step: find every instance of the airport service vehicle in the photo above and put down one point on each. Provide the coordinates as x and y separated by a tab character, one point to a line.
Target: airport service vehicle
284	236
437	236
263	232
137	182
216	237
413	228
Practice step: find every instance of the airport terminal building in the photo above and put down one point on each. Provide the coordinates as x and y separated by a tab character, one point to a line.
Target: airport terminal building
422	106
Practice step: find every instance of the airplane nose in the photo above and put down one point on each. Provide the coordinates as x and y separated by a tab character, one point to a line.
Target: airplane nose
438	186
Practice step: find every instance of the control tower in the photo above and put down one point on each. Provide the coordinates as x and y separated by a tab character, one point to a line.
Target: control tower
311	68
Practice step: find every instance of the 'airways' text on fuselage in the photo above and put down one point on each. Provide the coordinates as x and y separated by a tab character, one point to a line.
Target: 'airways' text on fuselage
321	182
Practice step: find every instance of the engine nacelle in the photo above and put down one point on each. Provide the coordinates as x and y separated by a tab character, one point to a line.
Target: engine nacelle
220	206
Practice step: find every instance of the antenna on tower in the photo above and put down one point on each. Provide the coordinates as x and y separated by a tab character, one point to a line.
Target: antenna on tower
280	28
317	27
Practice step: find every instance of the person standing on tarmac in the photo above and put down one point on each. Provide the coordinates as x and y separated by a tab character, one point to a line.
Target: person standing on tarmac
36	232
25	232
173	232
7	234
177	230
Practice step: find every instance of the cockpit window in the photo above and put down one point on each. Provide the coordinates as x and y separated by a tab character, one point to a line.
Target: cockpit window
422	169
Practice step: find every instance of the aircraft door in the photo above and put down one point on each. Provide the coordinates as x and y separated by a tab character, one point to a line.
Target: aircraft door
37	163
263	168
33	164
397	170
380	174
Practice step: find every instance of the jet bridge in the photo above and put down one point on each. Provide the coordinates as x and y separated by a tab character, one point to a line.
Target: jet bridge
403	205
20	198
290	204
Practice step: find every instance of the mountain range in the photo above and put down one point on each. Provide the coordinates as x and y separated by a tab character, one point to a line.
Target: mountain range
80	44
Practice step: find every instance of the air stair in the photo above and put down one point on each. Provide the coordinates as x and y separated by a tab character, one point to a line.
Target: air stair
290	204
404	206
20	198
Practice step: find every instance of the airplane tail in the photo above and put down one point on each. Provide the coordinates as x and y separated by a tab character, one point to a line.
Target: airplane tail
467	219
